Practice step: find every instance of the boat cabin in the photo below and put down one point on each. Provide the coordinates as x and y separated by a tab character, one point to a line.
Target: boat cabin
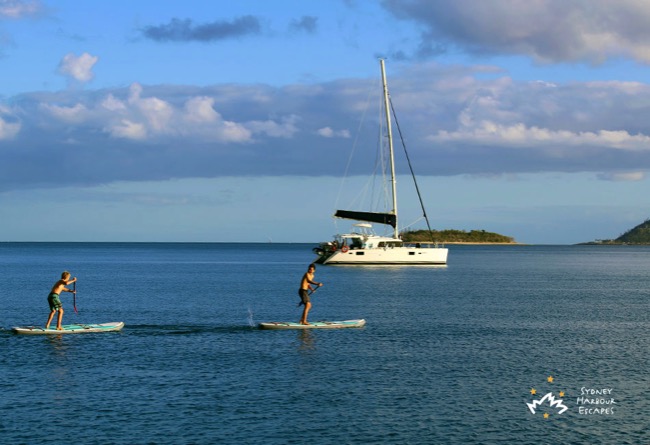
363	237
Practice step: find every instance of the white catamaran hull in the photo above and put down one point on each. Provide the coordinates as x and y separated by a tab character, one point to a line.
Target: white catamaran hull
400	255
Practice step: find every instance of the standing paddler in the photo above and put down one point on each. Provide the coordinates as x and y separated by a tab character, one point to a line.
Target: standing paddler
53	299
306	289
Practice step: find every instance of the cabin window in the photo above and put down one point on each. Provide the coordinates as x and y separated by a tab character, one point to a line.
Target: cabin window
390	244
360	253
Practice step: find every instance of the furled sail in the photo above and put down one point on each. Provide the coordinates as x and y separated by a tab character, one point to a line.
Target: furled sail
379	218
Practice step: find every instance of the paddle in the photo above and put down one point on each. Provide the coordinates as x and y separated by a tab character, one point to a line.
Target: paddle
74	297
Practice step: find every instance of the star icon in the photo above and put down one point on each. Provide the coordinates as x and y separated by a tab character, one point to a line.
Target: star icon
561	393
550	379
546	415
533	391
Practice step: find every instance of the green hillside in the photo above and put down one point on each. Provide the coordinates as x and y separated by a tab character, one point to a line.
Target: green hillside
456	236
638	235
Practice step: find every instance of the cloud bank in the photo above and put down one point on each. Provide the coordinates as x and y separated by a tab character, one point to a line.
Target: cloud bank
456	119
546	30
456	123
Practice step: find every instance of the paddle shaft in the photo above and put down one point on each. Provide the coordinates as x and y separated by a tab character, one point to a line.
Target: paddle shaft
74	297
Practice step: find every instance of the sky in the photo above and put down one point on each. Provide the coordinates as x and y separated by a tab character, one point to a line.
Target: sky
245	121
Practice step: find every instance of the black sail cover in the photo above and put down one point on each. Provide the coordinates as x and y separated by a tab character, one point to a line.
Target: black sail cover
380	218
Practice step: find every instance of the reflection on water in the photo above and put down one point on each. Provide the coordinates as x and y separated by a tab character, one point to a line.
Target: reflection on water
61	379
58	345
306	340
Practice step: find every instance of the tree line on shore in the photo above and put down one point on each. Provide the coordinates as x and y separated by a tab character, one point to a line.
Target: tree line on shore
455	236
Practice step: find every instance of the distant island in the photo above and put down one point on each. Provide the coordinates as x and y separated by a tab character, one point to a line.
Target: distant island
456	237
639	235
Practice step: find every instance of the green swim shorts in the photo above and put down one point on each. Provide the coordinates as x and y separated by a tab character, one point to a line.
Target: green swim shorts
54	302
304	296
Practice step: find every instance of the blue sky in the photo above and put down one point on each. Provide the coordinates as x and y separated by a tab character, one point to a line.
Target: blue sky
235	121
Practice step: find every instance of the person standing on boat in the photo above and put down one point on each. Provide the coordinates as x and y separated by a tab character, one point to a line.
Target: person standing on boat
53	299
306	289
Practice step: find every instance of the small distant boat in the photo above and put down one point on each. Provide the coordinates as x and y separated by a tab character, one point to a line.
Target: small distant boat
362	245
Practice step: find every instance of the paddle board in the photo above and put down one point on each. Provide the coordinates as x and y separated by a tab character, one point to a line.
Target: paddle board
70	329
313	324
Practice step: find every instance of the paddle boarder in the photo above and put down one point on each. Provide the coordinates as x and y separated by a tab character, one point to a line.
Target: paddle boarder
53	299
306	289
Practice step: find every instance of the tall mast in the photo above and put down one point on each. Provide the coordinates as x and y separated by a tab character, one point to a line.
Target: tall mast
390	145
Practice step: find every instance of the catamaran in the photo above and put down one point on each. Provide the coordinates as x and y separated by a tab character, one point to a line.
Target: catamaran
362	245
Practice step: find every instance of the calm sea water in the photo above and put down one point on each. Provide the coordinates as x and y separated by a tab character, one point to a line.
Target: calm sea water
449	355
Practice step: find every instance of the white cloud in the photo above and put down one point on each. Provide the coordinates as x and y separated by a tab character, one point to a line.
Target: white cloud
622	176
232	132
156	112
75	114
200	110
520	135
286	128
8	130
79	68
111	103
199	118
127	130
140	118
16	9
328	132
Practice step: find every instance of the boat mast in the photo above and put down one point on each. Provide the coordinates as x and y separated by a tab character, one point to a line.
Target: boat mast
390	146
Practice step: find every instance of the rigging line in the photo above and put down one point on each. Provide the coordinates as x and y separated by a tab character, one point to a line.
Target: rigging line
380	200
408	159
413	223
354	147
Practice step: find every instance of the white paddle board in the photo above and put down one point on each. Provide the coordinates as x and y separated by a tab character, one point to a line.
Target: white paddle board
70	329
313	324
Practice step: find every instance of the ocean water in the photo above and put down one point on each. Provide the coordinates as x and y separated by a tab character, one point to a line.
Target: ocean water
449	355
